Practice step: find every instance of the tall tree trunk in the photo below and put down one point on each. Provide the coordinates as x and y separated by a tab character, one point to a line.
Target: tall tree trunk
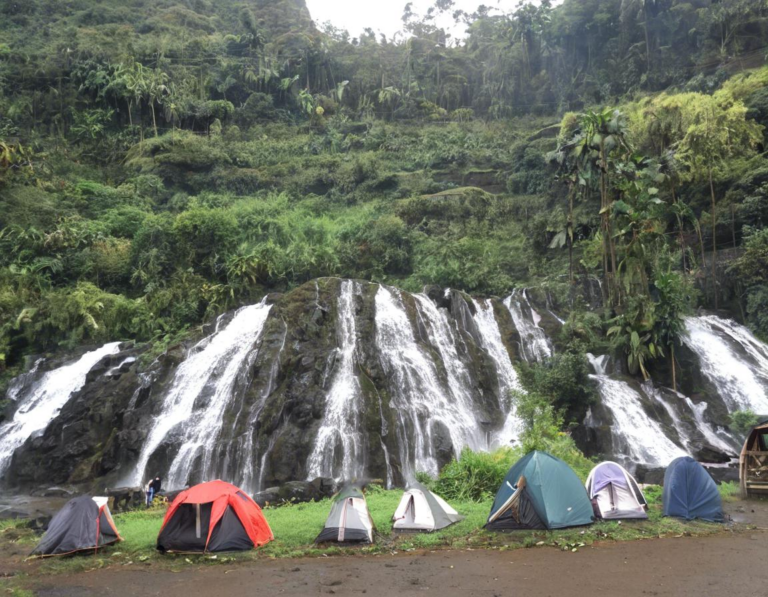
714	233
130	116
672	362
154	122
569	232
733	224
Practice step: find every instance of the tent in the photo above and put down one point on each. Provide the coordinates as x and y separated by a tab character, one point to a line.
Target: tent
213	516
689	492
540	492
349	520
422	510
615	493
83	524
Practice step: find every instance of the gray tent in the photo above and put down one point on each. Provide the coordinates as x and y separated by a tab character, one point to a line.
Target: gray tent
422	510
349	520
83	524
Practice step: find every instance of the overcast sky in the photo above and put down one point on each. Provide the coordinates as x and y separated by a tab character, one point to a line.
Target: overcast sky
383	15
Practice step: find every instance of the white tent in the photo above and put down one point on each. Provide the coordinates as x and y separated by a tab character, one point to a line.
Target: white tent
349	520
422	510
615	493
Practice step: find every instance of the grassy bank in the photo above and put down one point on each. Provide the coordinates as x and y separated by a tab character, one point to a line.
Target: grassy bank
296	526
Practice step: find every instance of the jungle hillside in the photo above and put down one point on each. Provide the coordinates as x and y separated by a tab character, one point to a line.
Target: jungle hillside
162	162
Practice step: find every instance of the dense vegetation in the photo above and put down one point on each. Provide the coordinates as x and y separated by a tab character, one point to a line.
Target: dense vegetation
163	162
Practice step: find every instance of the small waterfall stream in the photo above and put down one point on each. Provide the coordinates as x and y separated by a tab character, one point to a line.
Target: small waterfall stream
637	438
40	404
208	375
421	402
732	359
506	375
344	406
534	344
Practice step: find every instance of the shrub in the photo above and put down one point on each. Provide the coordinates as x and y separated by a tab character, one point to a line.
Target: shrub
475	476
742	421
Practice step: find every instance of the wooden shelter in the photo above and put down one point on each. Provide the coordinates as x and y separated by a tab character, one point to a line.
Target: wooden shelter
753	462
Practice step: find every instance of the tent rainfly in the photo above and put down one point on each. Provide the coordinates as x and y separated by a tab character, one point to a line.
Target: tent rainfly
349	520
422	510
213	516
540	492
83	524
615	493
690	492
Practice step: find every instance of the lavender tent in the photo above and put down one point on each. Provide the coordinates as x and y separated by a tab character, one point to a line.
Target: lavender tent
615	493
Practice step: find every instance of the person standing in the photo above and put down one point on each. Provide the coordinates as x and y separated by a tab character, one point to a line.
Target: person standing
153	488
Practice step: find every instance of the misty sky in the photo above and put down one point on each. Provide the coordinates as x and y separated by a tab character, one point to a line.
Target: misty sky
384	15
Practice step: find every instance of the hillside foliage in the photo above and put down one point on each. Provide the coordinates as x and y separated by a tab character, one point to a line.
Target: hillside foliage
162	162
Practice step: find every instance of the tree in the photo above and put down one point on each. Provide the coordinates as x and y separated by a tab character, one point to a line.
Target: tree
712	134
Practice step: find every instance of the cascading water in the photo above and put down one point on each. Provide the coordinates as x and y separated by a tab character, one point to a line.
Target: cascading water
732	359
419	399
486	323
534	344
344	404
248	447
637	438
210	371
441	336
38	406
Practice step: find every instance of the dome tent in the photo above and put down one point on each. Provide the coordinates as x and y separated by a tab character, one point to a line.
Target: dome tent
540	492
614	493
690	492
210	517
349	520
83	524
422	510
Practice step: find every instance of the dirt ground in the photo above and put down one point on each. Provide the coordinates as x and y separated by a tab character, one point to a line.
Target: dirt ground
731	563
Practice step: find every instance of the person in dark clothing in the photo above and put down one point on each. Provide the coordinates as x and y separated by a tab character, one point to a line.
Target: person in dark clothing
153	488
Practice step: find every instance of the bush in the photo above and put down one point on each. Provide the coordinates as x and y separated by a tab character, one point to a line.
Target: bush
742	421
475	476
563	381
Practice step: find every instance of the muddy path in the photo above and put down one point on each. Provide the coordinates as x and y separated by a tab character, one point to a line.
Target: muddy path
731	564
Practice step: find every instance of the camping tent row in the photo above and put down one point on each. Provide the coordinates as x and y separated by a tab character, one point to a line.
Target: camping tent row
542	492
539	492
217	516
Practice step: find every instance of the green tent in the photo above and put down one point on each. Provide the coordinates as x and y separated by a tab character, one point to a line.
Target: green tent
540	492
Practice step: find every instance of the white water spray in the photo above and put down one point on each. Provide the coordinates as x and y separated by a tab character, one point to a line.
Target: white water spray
344	404
638	439
44	400
213	366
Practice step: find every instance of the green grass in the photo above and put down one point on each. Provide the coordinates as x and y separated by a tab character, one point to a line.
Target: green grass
295	527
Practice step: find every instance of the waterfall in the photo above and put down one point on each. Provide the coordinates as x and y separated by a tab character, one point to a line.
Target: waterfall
208	375
534	344
486	323
343	405
419	399
39	404
717	438
732	359
637	438
441	336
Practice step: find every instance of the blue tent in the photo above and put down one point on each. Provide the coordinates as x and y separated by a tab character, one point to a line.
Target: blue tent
540	492
689	492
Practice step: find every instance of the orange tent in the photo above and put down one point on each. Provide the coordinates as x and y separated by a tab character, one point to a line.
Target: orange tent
214	516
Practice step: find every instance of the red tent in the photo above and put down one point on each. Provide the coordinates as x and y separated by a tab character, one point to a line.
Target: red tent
214	516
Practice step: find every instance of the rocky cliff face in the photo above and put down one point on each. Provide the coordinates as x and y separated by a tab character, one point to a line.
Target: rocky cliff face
422	384
346	379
